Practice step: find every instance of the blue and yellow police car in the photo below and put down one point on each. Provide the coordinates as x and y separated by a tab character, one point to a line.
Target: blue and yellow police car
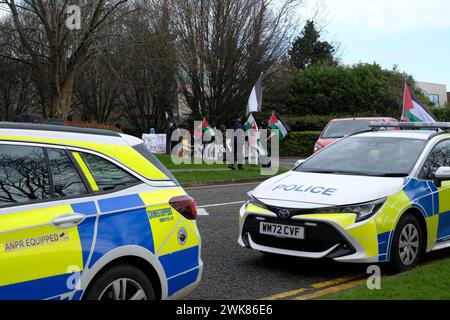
373	197
91	214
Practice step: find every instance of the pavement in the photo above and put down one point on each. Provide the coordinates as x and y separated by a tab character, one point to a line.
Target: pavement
233	272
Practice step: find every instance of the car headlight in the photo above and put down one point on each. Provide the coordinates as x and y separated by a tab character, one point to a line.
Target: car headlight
256	202
363	211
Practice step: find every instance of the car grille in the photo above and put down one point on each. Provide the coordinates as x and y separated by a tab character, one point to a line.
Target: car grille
319	237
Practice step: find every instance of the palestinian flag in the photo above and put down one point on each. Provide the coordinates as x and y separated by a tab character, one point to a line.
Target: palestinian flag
206	129
255	100
251	124
276	123
414	110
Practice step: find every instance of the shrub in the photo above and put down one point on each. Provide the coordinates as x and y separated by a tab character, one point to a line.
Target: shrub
359	89
309	122
442	114
299	144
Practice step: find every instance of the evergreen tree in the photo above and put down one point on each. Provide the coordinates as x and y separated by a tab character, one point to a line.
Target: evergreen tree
307	49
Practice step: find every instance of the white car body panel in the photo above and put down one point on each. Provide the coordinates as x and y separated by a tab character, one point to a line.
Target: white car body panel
312	190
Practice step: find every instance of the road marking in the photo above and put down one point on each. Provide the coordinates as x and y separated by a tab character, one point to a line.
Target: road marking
202	212
221	204
319	285
334	282
325	292
286	294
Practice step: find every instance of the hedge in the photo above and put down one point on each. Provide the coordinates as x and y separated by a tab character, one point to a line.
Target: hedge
299	144
442	114
308	123
318	122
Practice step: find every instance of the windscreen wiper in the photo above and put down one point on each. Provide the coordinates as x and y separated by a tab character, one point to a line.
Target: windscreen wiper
394	175
350	173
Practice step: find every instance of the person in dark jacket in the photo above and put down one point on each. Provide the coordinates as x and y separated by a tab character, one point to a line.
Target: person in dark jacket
171	127
235	126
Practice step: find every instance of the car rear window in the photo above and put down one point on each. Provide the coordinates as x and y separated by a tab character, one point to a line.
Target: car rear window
142	149
341	129
107	175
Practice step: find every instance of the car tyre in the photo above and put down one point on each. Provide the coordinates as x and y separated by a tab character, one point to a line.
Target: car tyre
121	282
407	246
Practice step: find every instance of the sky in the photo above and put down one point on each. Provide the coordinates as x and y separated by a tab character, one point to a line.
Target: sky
413	34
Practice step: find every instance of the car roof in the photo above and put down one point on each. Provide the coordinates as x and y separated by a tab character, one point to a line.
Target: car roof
405	134
54	128
367	118
64	134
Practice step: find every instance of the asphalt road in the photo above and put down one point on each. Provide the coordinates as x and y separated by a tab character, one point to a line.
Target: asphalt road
233	272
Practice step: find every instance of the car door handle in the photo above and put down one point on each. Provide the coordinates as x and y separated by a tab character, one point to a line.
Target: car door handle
68	220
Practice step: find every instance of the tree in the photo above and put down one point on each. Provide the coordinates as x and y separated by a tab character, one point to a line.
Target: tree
276	94
55	52
223	47
307	49
149	67
360	90
97	87
17	93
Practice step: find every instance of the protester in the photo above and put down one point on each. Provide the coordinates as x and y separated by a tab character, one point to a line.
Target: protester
171	127
235	126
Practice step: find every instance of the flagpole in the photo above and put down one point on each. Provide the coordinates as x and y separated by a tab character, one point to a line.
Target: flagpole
404	102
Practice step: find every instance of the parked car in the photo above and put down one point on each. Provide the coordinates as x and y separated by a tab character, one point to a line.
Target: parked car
375	197
91	214
341	128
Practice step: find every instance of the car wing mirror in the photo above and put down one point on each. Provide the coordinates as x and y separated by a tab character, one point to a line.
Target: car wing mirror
441	175
299	163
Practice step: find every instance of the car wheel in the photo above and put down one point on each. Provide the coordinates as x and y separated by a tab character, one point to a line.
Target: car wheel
121	282
407	246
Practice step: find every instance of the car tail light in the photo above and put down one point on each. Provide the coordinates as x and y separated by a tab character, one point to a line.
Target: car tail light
185	205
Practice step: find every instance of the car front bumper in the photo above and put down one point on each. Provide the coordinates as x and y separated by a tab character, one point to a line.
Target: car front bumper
334	236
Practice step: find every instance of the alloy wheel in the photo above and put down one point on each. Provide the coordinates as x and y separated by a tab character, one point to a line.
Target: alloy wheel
409	245
123	289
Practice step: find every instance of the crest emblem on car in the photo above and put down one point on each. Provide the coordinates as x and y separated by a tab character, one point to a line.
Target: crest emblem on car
284	214
182	236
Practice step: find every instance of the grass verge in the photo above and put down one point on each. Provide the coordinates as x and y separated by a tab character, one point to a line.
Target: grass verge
167	162
430	281
202	175
249	172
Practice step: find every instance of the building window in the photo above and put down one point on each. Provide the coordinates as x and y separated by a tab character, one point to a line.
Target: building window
434	98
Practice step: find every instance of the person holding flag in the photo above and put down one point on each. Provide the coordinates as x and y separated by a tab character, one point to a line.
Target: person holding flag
252	131
414	110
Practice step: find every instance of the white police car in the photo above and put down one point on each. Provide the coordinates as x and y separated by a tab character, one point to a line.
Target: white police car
373	197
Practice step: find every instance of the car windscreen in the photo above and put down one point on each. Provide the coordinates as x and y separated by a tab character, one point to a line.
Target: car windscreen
372	156
340	129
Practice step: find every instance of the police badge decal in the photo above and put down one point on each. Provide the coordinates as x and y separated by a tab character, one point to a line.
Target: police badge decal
182	236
